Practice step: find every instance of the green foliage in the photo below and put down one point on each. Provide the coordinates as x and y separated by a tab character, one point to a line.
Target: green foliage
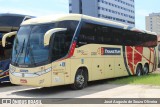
150	79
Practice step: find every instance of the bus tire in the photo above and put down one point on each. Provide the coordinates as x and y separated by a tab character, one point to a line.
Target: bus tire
146	69
139	70
81	79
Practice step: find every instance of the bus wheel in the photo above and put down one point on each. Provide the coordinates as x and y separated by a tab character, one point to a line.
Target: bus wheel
139	70
146	69
81	79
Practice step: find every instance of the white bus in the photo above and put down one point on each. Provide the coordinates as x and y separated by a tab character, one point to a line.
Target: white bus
74	49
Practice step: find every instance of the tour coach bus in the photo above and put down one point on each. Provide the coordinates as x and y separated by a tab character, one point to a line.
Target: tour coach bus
8	23
74	49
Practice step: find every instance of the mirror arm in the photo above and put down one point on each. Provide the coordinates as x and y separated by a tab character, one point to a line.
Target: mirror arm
7	35
50	32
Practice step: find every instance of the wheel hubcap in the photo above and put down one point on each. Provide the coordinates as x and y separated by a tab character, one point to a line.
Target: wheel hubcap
80	79
139	72
145	70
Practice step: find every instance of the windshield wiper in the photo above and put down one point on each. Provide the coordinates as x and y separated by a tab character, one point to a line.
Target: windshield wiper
29	50
31	53
20	51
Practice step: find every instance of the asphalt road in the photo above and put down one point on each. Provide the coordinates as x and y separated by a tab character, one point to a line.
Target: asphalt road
95	90
100	89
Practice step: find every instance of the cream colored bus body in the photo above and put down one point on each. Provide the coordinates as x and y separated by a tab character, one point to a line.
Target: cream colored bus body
88	56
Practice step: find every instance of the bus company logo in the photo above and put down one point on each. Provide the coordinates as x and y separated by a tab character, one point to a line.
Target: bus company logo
23	70
110	51
82	52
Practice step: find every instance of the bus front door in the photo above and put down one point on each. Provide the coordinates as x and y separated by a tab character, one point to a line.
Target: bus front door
58	71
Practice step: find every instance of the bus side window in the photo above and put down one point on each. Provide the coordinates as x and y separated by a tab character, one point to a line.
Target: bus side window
87	34
117	34
7	53
58	45
107	37
1	54
99	35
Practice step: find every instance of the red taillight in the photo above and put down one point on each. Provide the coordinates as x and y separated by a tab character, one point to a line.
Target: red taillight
6	73
23	81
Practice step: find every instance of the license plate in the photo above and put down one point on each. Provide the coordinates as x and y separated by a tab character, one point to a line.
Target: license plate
23	81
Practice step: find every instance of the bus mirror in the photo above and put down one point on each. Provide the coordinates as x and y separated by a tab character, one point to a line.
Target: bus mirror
7	35
49	33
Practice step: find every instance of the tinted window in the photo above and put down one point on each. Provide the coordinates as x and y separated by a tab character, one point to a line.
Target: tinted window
5	53
87	34
61	41
132	38
59	49
98	34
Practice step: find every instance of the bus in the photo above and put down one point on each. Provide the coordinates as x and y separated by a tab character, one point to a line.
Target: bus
158	50
8	23
75	49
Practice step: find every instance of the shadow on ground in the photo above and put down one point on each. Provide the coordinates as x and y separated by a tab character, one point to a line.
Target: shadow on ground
60	91
6	84
66	91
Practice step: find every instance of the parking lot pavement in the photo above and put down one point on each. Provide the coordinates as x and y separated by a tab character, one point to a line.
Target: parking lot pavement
100	89
94	90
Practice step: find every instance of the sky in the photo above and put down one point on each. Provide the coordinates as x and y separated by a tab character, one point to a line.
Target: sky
49	7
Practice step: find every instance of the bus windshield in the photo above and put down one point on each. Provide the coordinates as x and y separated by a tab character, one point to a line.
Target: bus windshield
28	45
29	49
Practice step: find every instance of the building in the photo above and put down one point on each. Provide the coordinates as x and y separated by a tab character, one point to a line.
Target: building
153	22
117	10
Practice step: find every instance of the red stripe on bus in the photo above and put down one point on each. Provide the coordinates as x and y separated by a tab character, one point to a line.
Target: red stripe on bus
152	50
130	58
72	50
133	59
138	55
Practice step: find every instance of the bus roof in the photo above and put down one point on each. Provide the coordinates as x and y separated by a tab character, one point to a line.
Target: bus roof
78	17
51	19
60	17
13	14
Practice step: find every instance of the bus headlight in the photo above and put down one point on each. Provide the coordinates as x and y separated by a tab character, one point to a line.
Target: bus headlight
44	71
12	69
27	75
